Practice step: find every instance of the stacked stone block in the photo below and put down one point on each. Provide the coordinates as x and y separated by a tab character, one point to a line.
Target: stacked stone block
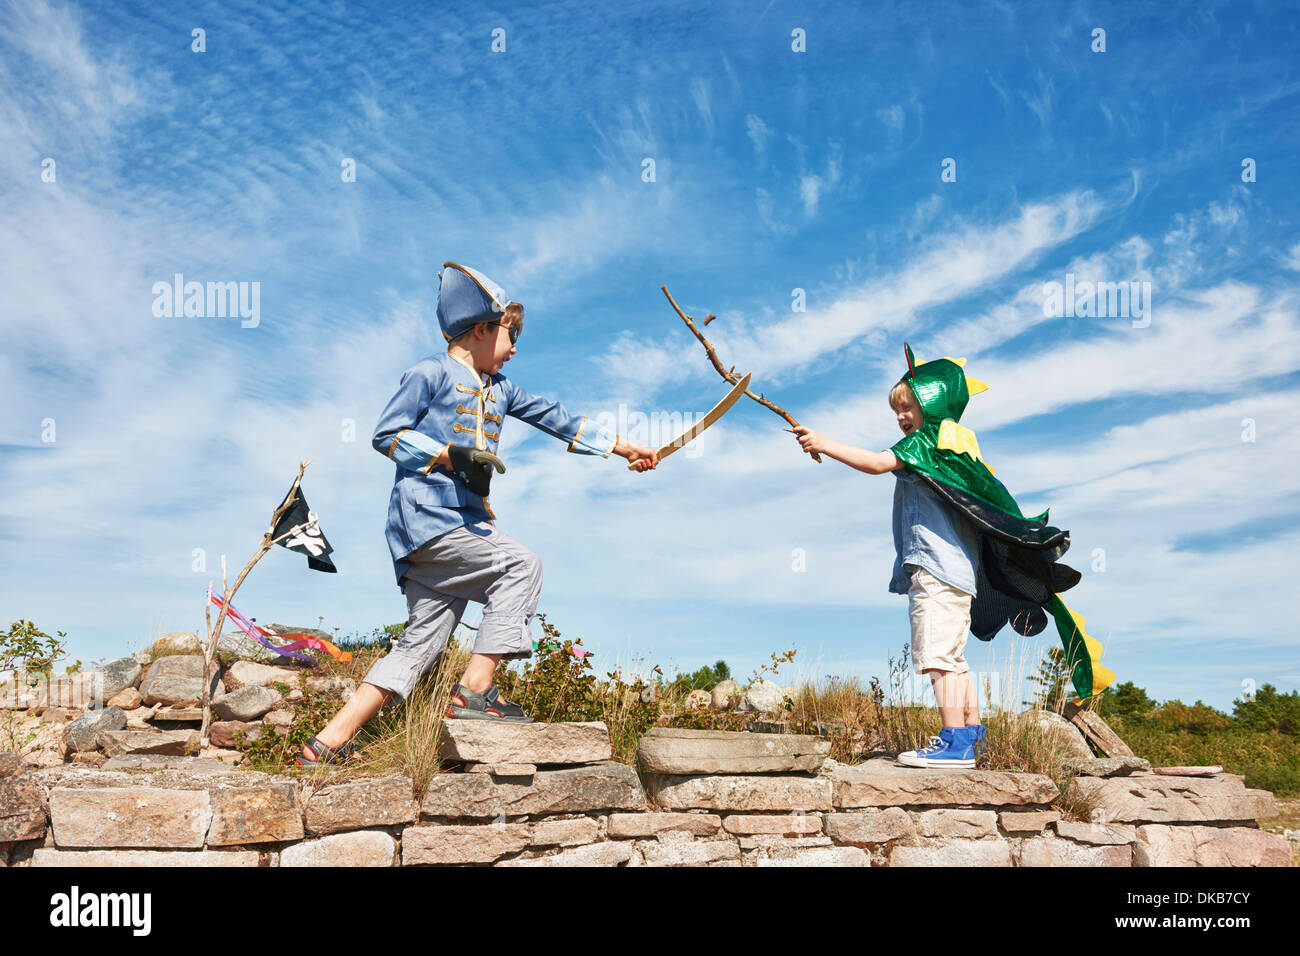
549	795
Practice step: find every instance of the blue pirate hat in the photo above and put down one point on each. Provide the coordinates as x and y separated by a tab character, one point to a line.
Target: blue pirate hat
466	297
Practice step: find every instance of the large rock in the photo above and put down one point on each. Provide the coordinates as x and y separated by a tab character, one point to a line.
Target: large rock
652	824
1148	798
698	700
964	853
362	848
129	817
199	764
585	789
679	751
614	853
176	665
362	803
1048	851
247	703
763	697
484	741
723	691
1159	845
83	733
1028	821
1106	766
249	673
22	809
781	824
565	832
224	733
969	824
177	679
689	854
882	783
873	826
141	859
817	856
235	646
269	814
479	843
1066	737
119	675
1097	834
128	699
177	642
10	764
173	743
743	793
171	689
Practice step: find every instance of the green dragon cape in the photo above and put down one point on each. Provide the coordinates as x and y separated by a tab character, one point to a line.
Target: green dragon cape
1019	577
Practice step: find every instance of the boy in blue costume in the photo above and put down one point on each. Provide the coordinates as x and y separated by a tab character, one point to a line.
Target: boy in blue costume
442	430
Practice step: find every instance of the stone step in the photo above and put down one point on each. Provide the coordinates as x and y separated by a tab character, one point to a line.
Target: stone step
483	741
1151	798
669	750
737	792
586	789
883	783
116	743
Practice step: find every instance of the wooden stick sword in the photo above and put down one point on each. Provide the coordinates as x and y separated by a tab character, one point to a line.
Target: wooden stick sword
731	375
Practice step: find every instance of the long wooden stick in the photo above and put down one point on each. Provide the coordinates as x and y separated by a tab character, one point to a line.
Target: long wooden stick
728	374
228	594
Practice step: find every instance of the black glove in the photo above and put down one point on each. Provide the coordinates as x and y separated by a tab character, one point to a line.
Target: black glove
474	466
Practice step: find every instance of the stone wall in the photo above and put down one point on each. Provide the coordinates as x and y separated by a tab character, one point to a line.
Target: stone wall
548	795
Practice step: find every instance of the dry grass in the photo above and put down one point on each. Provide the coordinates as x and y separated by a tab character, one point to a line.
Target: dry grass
886	719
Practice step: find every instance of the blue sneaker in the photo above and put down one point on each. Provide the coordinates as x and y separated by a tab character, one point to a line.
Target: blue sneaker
980	738
954	747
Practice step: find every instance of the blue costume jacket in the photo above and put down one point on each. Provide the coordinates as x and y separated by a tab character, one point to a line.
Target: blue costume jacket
443	400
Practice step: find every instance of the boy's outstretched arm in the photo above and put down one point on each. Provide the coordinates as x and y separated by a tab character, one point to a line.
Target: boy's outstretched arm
872	462
583	436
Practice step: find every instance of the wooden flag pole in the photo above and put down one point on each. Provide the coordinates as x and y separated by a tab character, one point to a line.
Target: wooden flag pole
228	594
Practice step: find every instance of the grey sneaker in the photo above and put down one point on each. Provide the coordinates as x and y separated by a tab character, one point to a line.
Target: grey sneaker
464	704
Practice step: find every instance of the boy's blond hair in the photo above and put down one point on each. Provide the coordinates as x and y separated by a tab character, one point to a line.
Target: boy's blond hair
898	392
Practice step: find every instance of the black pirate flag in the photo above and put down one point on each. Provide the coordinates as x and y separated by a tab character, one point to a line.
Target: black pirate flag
309	541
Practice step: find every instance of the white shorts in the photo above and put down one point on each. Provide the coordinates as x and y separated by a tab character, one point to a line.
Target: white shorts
940	616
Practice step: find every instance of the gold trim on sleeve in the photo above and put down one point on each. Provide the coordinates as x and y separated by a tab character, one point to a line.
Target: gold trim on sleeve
574	444
396	438
434	460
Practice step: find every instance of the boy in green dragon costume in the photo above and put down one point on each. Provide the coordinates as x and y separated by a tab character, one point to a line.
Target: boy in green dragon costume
968	559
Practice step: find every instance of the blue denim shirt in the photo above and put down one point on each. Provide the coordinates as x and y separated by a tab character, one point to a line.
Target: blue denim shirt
931	535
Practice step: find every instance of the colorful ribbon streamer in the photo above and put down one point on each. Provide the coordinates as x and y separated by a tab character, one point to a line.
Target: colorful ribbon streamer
285	650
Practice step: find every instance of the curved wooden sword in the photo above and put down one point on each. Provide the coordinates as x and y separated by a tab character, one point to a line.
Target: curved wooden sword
714	414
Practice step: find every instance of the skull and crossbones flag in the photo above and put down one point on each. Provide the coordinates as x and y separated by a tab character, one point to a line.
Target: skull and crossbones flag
309	541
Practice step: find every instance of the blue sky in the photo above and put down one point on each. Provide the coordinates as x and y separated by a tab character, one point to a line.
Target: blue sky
775	170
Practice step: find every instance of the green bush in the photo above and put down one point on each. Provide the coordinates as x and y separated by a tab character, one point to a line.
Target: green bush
555	685
275	752
25	645
1269	710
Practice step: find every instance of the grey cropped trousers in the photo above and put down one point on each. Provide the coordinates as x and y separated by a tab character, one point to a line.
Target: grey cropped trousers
474	562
